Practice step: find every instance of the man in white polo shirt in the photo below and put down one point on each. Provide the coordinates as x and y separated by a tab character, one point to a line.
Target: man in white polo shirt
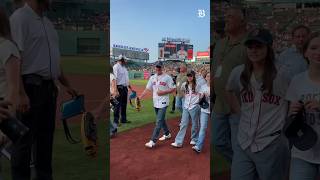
38	43
122	78
161	85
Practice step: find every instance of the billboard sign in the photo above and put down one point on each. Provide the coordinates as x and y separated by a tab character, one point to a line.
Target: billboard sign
130	54
130	48
203	54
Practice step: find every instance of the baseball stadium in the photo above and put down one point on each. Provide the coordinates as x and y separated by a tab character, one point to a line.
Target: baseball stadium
82	27
279	17
161	44
126	164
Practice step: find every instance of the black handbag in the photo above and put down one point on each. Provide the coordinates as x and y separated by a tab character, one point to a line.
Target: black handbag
204	103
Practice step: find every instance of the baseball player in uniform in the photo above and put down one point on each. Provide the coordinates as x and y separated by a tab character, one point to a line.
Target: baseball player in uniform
161	85
261	150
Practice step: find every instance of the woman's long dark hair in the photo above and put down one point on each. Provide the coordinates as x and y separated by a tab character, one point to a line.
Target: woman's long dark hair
194	81
269	73
4	25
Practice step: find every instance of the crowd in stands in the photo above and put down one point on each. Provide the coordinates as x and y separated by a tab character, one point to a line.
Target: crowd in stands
169	66
95	22
278	22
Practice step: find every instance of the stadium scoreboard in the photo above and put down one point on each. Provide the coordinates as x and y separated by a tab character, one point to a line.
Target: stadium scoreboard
175	49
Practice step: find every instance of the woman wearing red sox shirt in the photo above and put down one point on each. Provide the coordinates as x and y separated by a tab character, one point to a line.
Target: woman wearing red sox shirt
261	151
191	109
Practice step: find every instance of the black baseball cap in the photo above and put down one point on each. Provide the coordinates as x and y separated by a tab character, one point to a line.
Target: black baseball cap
191	73
259	35
299	133
159	64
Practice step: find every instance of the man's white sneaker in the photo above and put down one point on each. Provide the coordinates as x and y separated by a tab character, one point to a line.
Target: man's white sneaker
164	137
196	149
193	142
150	144
176	145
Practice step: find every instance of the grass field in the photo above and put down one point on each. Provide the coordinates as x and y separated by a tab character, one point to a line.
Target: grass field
145	116
147	113
139	82
84	65
70	160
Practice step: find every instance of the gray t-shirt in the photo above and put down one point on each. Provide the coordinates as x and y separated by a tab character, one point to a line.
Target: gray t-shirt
7	49
302	88
262	115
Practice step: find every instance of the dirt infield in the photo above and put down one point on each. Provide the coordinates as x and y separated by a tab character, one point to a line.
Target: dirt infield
130	160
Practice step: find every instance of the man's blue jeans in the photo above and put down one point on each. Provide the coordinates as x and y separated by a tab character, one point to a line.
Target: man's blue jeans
160	123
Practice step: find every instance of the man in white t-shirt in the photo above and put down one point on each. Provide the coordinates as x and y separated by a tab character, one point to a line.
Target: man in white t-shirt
38	43
122	78
161	85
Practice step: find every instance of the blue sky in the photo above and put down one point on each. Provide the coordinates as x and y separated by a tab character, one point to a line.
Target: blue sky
143	23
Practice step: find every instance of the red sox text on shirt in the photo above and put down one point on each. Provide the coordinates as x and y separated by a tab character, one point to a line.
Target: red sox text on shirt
248	97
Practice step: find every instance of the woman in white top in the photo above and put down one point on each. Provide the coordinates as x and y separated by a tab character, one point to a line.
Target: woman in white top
261	152
191	109
10	82
204	116
11	89
305	87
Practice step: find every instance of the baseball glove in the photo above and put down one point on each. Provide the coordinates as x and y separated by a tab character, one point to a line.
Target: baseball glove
137	104
89	134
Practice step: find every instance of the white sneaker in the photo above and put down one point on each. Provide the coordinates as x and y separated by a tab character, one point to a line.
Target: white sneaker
164	137
150	144
196	149
193	142
176	145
